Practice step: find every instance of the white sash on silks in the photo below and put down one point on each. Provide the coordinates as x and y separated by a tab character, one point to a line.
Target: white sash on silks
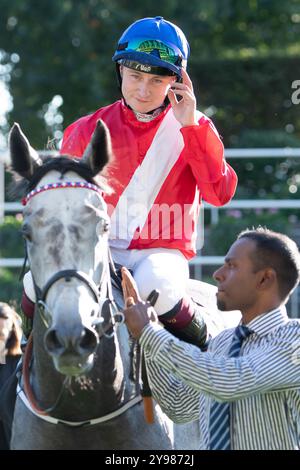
136	201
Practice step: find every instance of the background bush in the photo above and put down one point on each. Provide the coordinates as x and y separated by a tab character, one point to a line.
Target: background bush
11	246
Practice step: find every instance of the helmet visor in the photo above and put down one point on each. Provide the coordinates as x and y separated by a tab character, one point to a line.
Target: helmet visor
165	52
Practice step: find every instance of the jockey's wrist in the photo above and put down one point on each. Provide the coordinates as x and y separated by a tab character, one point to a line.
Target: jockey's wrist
186	322
191	123
180	316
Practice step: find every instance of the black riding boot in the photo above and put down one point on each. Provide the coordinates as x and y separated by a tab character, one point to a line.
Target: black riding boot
185	321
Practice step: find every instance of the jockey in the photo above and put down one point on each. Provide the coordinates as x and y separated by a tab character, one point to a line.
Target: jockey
167	158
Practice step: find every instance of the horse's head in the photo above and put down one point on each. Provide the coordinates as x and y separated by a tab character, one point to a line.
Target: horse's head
10	332
66	232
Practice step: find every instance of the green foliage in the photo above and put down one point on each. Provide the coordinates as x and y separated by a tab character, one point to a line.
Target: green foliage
239	50
250	103
267	179
250	99
11	246
221	236
10	286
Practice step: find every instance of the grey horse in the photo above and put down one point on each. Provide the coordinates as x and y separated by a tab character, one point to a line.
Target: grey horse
76	391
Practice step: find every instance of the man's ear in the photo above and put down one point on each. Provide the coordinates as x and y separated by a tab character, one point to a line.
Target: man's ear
267	278
121	67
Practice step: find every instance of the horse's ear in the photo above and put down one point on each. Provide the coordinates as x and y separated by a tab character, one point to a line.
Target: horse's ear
24	159
98	152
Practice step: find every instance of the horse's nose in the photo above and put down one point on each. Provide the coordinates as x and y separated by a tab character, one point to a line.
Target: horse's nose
58	341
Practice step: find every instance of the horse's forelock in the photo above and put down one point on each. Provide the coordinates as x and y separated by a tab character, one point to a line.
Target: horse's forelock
20	186
62	164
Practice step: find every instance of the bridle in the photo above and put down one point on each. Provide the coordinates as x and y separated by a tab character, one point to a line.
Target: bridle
116	317
102	295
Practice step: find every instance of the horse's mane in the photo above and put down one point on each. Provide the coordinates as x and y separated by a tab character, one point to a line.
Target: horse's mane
19	187
13	344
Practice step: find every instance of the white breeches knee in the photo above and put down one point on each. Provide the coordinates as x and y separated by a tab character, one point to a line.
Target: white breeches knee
162	269
28	286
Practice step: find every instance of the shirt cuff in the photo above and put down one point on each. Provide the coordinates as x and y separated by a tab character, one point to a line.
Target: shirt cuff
194	138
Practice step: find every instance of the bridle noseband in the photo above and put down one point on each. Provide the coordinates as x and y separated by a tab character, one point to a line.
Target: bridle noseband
68	274
116	317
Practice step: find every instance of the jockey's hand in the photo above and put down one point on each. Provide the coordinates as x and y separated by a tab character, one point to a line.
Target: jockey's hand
185	109
138	313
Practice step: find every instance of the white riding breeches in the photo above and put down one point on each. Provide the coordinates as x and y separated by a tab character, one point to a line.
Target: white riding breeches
28	286
157	268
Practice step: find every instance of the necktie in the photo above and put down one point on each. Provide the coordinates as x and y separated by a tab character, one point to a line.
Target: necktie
219	421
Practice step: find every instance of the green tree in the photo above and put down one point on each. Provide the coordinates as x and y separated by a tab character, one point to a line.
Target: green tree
64	48
245	57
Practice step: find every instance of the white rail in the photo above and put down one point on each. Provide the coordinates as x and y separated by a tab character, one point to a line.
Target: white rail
263	153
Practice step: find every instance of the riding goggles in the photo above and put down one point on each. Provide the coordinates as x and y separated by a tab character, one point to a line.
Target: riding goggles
153	47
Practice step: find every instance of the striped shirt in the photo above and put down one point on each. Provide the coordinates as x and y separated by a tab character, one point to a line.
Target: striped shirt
262	384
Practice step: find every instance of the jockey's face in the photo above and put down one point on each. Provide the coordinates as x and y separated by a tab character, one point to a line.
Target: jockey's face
144	92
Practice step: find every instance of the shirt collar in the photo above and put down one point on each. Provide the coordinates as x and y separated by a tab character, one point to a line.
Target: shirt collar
131	117
268	321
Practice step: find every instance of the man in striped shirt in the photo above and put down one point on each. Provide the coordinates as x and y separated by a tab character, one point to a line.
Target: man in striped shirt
262	385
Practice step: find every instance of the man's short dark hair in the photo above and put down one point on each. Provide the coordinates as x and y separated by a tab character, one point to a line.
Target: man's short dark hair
279	252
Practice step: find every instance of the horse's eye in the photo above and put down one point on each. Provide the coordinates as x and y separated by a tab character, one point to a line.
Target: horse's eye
26	232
